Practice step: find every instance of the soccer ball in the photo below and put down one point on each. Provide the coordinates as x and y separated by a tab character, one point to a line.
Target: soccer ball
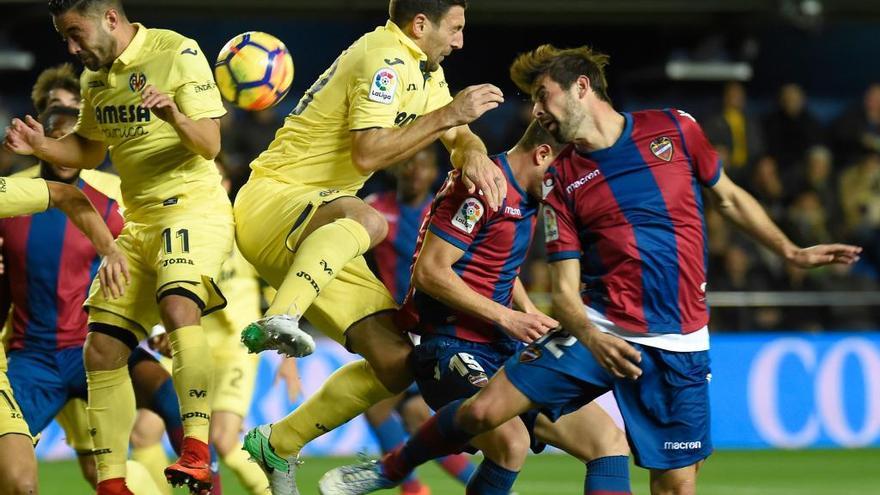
254	70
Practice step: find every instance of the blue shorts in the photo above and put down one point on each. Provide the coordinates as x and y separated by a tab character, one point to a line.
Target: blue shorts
666	411
449	369
43	381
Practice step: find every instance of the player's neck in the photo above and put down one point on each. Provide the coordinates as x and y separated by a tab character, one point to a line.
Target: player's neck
523	171
600	129
125	33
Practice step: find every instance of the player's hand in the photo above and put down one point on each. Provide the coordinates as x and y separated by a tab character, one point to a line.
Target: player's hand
527	327
160	343
288	372
825	254
160	104
473	101
615	355
113	274
479	173
25	137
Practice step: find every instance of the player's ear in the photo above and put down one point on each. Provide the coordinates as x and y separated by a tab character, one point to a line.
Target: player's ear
543	155
420	25
582	83
111	17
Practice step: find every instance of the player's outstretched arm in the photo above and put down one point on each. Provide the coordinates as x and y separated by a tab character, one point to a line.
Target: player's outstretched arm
433	275
113	272
613	353
201	136
743	209
26	137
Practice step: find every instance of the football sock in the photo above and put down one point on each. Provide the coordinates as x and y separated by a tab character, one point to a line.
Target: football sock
140	481
348	392
164	403
491	479
216	485
111	417
192	370
248	473
608	476
318	259
437	437
459	466
154	460
390	435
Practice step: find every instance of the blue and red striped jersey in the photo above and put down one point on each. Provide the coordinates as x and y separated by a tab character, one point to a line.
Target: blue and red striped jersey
495	245
633	214
394	254
50	265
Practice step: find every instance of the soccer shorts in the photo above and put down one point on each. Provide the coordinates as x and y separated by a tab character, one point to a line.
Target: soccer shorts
665	411
235	372
180	254
270	216
74	420
11	419
448	369
44	381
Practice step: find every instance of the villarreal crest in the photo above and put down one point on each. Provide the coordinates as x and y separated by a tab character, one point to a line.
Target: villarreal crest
662	148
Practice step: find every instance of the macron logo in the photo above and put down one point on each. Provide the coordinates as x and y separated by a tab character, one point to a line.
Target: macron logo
509	210
583	180
682	445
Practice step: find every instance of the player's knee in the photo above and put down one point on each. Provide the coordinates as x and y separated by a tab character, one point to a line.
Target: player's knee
179	311
393	373
374	223
21	483
89	470
105	352
223	440
477	416
679	482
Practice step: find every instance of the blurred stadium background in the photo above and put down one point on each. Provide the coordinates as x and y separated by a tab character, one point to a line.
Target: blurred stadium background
789	93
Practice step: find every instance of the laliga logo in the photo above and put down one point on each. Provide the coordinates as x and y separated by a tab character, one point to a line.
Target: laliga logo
829	383
384	79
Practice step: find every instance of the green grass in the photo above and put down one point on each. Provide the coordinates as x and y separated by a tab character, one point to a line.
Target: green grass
814	472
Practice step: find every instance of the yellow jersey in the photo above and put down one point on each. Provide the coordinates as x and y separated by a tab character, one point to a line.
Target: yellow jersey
241	288
158	173
22	196
376	82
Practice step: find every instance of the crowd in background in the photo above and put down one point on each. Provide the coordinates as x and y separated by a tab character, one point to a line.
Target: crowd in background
819	181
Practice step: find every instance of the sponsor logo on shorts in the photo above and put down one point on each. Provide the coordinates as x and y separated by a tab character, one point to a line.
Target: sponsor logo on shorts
177	261
322	428
102	451
529	354
327	192
93	432
662	148
310	280
15	415
479	380
469	213
683	445
195	414
199	394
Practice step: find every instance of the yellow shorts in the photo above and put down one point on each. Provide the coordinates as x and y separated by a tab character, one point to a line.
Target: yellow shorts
74	420
181	254
270	216
11	419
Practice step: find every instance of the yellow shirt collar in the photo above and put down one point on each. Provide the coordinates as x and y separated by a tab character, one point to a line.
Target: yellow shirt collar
134	47
406	40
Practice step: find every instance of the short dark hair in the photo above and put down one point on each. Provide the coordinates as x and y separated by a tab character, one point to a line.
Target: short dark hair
59	77
563	65
535	136
58	7
60	111
401	12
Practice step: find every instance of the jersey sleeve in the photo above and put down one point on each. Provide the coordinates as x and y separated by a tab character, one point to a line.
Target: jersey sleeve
195	91
375	90
439	95
87	124
560	233
23	196
707	166
459	216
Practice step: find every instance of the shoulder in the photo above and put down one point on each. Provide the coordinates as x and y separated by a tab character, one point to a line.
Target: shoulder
167	40
105	183
28	173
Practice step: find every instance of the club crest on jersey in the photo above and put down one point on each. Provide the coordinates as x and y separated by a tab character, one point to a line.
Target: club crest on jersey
383	86
547	186
137	81
478	380
529	354
662	148
469	213
551	226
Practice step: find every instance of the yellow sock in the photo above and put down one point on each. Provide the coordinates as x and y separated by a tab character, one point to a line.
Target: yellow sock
139	480
248	473
318	259
348	392
111	417
192	369
155	461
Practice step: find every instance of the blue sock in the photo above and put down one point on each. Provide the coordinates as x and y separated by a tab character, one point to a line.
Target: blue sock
491	479
608	476
165	404
390	435
217	487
